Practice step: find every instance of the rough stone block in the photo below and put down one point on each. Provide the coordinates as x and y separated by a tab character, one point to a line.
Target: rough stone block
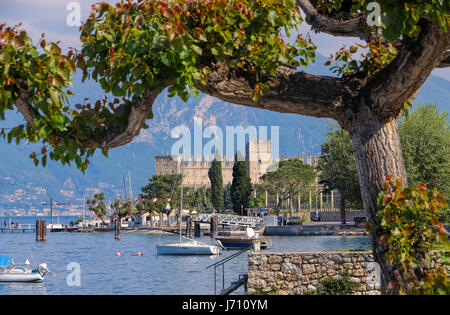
287	267
274	259
308	269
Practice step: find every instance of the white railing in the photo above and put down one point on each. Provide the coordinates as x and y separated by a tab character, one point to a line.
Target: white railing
229	219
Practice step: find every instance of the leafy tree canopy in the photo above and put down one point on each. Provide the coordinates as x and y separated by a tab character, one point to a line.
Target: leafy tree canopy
162	186
425	139
215	177
241	186
289	178
135	49
121	208
97	205
337	166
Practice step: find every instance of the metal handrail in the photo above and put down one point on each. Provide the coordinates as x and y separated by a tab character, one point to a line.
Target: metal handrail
222	263
226	259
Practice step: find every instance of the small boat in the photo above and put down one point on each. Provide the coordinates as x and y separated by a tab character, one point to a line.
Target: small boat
190	247
55	227
10	272
250	239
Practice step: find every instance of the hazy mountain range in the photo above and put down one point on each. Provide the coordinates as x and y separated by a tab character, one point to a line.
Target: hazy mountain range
23	185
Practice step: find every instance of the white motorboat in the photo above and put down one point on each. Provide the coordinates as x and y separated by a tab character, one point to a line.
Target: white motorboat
10	272
55	227
189	246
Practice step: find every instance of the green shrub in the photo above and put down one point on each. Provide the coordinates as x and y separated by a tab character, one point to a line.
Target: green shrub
336	286
409	227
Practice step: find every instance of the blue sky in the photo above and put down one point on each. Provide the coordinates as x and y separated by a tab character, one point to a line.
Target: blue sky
49	17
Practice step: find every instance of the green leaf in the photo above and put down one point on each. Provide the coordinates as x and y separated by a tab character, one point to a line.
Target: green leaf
5	57
54	96
310	55
44	160
42	133
59	121
197	49
216	50
272	17
118	91
165	58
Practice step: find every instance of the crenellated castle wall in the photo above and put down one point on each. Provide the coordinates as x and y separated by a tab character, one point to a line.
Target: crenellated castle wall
258	158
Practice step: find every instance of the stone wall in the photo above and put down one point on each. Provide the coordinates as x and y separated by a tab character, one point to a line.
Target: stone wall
300	273
335	216
315	230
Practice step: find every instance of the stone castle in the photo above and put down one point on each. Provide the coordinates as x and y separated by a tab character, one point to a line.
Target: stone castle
258	156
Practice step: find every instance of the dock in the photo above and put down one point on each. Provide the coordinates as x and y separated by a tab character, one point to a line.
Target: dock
21	228
235	285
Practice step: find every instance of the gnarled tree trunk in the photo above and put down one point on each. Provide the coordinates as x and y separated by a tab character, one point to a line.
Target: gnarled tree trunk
378	154
151	219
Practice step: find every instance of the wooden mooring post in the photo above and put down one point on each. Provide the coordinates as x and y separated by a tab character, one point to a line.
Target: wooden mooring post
117	229
197	229
213	226
41	230
189	227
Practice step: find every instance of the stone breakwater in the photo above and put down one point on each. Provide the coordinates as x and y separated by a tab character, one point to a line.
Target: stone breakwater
300	273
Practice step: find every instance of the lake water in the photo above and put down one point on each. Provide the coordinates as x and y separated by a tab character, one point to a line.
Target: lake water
104	273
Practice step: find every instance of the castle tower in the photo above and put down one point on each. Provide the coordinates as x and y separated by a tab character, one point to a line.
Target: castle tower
259	157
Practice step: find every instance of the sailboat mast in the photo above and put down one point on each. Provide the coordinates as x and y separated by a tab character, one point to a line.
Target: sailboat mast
51	211
181	198
131	191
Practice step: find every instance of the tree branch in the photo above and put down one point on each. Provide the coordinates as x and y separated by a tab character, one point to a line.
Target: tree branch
291	91
140	109
445	61
27	111
321	23
389	88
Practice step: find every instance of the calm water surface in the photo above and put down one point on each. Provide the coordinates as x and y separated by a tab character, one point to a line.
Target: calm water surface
104	273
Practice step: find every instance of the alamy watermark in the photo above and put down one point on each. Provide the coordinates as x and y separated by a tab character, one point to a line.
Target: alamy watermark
74	17
373	275
73	279
233	139
374	17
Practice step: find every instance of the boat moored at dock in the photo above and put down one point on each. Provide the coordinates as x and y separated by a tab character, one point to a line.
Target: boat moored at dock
249	240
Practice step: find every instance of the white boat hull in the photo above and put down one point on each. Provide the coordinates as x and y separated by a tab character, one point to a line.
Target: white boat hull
187	249
20	276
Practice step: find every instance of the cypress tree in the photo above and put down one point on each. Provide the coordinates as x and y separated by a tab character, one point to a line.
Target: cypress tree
215	176
241	186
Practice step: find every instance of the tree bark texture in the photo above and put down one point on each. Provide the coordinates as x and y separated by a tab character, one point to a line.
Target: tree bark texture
378	154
